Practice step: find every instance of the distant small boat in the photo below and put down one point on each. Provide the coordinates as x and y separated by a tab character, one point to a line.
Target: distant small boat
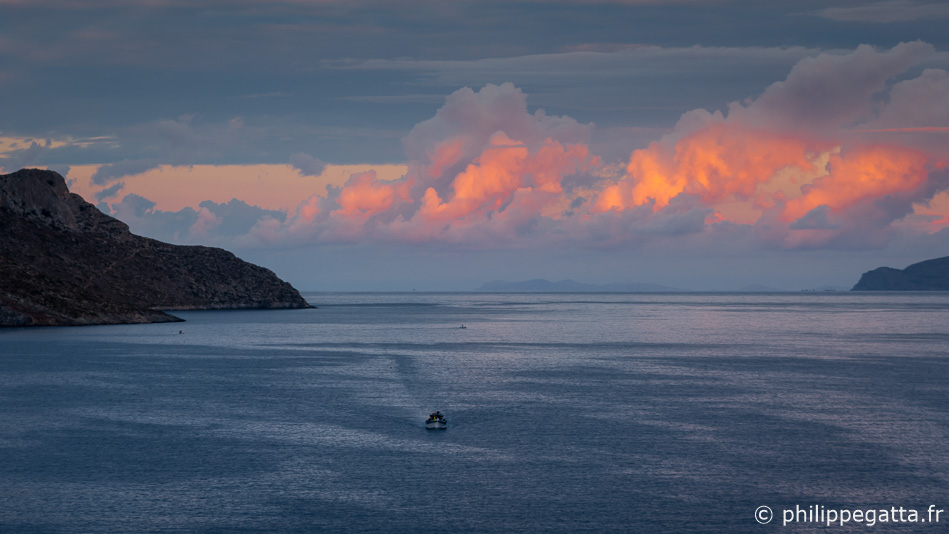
436	421
463	326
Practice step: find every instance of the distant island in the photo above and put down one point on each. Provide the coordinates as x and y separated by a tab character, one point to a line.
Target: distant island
64	262
929	275
541	285
758	288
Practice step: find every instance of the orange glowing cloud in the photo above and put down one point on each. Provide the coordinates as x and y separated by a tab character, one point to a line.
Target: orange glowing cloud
554	161
713	163
472	186
807	163
492	178
503	168
795	148
861	173
364	195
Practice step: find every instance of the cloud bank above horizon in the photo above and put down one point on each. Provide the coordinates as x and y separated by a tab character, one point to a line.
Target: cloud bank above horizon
838	154
479	140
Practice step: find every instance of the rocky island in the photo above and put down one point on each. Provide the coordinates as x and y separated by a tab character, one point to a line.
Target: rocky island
929	275
64	262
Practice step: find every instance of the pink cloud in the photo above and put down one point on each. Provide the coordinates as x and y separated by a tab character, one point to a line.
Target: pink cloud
792	150
364	195
836	153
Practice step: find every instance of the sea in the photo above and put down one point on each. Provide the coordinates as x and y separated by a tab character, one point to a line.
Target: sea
679	412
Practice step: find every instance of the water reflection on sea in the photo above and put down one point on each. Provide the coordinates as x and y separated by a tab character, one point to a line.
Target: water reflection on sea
567	413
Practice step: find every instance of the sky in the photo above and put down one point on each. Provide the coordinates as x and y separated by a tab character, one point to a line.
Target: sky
365	145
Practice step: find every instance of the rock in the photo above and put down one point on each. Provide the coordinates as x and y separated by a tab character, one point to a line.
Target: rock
929	275
64	262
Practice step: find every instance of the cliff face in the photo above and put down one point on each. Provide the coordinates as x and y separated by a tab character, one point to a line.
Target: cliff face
64	262
929	275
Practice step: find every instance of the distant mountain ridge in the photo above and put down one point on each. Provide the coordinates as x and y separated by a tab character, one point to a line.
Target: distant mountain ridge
64	262
929	275
540	285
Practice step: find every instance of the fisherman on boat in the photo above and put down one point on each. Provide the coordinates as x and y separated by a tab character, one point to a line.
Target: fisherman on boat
436	421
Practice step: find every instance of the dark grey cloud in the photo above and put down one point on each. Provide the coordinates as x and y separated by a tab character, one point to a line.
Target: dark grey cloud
676	223
63	170
887	11
830	90
131	204
236	218
636	84
816	219
109	192
306	164
212	223
143	219
171	142
343	81
25	157
114	171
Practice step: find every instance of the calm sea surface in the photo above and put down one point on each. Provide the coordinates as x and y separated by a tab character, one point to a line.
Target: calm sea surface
567	413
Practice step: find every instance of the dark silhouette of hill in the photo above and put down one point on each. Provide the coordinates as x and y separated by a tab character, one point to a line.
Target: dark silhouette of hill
64	262
929	275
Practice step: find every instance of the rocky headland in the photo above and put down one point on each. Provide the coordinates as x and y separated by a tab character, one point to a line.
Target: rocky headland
929	275
64	262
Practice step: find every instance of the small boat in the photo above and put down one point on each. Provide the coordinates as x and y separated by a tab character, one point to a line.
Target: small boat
436	421
463	326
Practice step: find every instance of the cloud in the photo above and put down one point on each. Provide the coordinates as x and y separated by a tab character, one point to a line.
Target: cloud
810	162
307	165
859	173
30	156
789	151
209	224
132	205
114	171
830	90
622	64
652	77
109	191
886	12
483	166
652	59
916	112
466	124
170	142
715	160
816	219
236	218
364	196
18	153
